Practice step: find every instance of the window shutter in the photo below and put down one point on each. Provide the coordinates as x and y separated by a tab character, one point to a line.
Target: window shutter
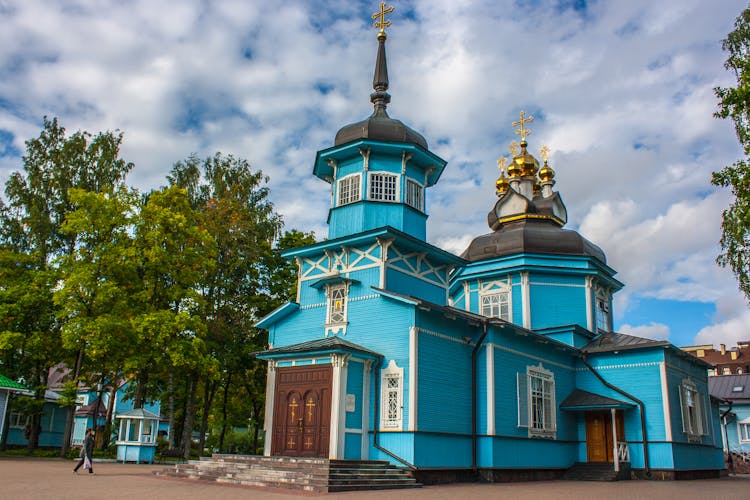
683	405
523	399
705	423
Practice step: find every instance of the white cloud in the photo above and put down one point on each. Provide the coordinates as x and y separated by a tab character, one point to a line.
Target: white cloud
622	93
654	331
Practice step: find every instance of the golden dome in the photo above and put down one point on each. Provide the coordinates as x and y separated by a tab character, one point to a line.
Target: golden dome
530	165
516	167
546	174
502	185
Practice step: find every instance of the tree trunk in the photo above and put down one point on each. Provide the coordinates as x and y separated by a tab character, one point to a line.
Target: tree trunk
68	431
208	397
187	429
171	411
108	420
140	389
224	412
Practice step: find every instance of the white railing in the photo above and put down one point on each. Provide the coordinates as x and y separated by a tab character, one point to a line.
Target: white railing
623	452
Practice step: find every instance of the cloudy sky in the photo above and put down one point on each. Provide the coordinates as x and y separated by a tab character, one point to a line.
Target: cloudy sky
620	91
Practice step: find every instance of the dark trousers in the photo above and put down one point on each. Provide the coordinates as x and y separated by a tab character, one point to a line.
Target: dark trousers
80	464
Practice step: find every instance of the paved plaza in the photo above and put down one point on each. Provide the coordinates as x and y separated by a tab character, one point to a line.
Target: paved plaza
52	479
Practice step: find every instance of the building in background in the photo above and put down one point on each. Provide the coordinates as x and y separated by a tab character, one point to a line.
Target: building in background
734	361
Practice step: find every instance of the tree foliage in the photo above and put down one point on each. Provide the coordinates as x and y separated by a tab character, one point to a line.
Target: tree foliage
734	103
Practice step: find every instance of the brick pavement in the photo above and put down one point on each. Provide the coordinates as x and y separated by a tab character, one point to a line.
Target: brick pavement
53	479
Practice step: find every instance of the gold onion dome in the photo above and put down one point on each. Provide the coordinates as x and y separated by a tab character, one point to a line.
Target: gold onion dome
502	185
529	164
546	174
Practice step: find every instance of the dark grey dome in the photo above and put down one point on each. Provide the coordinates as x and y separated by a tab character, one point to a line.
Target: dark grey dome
531	236
379	127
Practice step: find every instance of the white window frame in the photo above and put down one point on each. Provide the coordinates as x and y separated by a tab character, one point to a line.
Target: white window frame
337	307
353	193
537	411
494	290
17	420
743	431
415	194
693	411
392	397
378	180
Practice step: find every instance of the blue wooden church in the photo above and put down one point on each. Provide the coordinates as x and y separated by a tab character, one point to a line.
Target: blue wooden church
499	362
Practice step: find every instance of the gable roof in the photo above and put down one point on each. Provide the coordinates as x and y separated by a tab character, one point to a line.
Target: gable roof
722	387
611	341
580	400
318	346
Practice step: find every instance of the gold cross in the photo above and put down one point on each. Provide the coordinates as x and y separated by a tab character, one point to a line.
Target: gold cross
293	405
382	23
544	153
523	131
310	405
513	148
308	442
291	443
501	163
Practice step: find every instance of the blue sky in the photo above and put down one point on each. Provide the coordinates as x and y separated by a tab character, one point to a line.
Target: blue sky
622	92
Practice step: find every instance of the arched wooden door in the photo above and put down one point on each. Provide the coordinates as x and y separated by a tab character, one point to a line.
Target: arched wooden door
302	411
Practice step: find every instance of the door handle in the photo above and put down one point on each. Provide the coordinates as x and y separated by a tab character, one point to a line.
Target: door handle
299	424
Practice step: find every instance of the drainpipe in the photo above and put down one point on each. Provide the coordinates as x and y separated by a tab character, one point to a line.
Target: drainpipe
376	423
723	423
474	396
633	398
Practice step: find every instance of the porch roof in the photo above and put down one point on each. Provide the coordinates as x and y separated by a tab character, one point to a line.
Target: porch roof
324	346
580	400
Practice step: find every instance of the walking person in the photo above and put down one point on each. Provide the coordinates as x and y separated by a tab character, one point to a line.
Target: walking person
87	452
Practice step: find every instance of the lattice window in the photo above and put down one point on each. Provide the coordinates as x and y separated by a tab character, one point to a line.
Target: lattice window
602	310
337	299
536	401
693	419
383	187
414	195
349	189
392	397
496	305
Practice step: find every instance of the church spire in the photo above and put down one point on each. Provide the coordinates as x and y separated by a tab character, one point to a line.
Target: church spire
380	98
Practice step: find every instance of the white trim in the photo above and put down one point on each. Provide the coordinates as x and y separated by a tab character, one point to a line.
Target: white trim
299	262
384	244
352	431
467	295
526	300
413	353
366	380
535	358
665	402
490	357
396	373
268	418
623	365
441	336
338	396
545	375
589	304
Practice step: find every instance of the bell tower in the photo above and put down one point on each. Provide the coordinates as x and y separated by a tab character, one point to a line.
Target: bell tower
379	168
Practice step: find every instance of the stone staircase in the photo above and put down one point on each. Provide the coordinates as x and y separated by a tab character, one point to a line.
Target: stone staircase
307	474
595	471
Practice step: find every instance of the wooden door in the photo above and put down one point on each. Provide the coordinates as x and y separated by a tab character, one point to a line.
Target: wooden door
599	440
302	411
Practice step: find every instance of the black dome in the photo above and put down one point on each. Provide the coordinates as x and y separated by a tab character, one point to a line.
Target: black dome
531	236
379	127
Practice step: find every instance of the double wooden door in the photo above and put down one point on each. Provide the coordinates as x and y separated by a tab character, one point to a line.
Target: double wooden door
599	440
302	411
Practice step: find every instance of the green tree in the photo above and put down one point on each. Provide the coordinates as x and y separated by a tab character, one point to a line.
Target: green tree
37	204
234	207
97	280
734	103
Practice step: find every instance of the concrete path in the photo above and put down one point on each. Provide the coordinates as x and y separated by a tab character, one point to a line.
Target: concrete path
53	479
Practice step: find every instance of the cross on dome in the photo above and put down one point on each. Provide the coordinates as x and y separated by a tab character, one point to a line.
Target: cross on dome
523	131
380	21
